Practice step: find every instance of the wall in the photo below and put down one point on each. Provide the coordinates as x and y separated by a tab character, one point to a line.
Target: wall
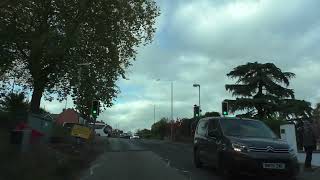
43	125
288	133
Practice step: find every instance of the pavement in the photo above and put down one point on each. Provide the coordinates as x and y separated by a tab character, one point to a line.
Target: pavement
139	159
310	175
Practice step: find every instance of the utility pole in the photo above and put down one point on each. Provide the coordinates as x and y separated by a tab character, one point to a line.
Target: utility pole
171	134
154	114
171	110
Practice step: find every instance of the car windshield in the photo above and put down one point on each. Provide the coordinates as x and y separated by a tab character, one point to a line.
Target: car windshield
246	128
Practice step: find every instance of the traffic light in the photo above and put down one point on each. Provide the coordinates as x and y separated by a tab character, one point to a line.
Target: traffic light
225	108
95	108
196	111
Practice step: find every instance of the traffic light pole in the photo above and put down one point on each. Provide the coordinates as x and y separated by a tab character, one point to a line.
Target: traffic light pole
94	122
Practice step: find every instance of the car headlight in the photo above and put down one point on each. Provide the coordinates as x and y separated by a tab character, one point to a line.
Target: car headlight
239	147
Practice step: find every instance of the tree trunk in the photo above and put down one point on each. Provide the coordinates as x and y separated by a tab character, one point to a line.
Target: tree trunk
259	96
260	111
36	98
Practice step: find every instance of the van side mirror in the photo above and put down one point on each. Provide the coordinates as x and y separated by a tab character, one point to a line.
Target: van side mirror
214	134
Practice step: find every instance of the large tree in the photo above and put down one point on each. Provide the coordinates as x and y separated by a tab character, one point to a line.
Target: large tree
262	90
47	39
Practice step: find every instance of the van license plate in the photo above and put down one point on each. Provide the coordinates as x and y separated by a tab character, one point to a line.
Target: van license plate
274	165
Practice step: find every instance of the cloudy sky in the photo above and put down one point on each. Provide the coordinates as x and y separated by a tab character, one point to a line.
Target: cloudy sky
200	41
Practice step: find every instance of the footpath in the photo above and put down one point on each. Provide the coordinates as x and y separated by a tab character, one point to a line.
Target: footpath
309	175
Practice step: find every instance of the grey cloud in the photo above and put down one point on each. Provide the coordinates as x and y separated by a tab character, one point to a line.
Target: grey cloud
274	32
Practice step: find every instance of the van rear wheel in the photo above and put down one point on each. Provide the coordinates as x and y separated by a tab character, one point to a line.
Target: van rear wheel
196	159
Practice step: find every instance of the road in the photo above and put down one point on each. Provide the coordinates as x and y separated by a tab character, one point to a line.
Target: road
140	159
124	160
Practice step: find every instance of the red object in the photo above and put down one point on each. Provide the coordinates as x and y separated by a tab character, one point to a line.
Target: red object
35	135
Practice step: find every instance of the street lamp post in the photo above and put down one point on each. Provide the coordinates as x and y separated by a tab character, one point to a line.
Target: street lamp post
154	114
171	110
198	85
171	131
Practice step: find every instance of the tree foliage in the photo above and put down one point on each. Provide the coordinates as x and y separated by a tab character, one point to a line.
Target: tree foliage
262	90
13	109
14	102
144	133
46	39
160	128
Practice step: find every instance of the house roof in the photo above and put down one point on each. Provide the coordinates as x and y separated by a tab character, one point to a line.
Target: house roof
54	116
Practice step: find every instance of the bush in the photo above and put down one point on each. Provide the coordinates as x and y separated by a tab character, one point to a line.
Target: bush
9	120
4	120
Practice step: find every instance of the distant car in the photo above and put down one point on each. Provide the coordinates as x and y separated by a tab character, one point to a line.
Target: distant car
101	129
135	137
242	146
125	136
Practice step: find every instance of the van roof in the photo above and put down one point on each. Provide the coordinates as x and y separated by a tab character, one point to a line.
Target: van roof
233	118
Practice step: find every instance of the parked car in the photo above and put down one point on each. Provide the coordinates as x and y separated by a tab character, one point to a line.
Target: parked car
101	129
242	146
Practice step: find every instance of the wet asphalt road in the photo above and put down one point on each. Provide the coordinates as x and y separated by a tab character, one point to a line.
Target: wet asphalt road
125	159
139	159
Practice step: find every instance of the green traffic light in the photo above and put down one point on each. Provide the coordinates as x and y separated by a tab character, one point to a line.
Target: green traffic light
94	112
225	113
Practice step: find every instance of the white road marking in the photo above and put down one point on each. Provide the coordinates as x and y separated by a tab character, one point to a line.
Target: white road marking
93	167
186	172
168	164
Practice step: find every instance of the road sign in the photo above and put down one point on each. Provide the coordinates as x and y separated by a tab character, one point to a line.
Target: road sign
81	131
